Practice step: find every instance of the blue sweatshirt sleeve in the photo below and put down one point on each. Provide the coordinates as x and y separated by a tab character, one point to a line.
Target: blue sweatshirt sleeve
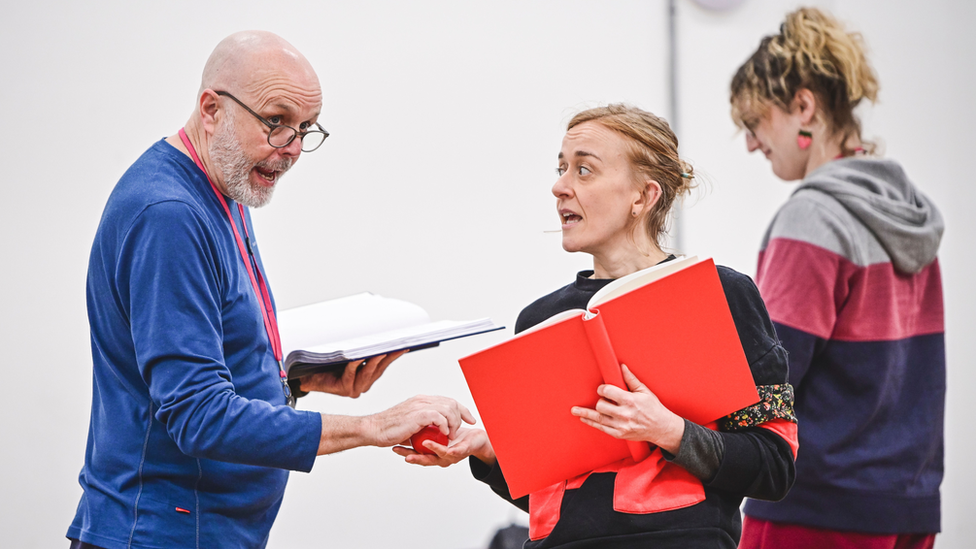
170	279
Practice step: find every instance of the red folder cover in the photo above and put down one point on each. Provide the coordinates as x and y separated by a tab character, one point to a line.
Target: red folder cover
675	333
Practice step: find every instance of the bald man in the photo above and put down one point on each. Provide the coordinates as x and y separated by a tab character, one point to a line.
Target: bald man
193	429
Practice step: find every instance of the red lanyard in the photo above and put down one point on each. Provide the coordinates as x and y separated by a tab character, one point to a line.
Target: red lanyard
257	282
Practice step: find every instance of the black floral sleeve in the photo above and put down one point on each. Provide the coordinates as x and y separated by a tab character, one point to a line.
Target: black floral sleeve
775	402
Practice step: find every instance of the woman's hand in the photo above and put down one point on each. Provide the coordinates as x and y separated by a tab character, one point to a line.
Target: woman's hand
634	415
356	379
467	442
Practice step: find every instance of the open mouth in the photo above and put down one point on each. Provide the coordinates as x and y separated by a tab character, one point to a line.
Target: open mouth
268	175
570	218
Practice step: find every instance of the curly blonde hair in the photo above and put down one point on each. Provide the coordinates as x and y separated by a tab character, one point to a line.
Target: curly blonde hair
811	51
653	154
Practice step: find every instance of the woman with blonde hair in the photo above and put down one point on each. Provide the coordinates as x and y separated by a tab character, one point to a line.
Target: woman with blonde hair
619	175
849	273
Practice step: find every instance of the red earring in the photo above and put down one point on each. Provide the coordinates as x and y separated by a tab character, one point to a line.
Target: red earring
804	139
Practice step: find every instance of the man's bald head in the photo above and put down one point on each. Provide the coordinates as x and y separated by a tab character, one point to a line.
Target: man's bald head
246	62
267	76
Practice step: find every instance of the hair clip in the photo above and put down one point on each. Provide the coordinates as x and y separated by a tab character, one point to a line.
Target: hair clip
686	175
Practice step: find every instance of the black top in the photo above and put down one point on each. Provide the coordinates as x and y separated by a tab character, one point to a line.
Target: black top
752	462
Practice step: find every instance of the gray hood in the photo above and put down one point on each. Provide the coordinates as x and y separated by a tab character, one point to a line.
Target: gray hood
879	194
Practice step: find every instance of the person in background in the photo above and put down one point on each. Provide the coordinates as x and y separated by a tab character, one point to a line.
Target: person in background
619	175
849	274
193	428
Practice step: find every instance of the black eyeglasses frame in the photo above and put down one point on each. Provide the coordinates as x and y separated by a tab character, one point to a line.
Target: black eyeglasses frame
276	127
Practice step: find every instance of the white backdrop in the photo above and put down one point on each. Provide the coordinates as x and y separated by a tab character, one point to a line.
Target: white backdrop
434	187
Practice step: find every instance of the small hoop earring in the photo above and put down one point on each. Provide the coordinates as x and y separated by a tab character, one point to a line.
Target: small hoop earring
804	139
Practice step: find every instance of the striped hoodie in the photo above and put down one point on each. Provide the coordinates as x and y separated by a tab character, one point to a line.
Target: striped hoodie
849	274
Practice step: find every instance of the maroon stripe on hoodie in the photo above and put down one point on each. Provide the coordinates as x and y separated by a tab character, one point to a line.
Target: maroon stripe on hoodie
824	294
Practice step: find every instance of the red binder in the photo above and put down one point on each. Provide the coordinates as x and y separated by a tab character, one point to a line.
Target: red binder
671	326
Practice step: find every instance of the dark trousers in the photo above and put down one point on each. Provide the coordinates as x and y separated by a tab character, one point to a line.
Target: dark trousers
75	544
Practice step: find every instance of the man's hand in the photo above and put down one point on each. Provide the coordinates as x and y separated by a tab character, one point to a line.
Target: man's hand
399	423
634	415
393	426
355	380
469	442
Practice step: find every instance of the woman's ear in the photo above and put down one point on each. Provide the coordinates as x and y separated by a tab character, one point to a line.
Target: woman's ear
649	196
804	105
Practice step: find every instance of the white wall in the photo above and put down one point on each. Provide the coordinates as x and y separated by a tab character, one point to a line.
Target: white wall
434	187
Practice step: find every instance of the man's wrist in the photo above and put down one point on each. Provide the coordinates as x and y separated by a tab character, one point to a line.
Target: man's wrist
343	433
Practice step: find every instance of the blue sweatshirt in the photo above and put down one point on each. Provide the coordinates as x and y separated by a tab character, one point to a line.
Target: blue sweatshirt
190	438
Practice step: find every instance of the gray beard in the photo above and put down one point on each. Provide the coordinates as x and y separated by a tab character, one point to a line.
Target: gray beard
229	157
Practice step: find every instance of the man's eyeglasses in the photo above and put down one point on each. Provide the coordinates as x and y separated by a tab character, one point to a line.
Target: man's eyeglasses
281	136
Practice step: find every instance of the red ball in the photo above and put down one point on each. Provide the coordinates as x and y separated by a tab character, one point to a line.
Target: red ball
430	432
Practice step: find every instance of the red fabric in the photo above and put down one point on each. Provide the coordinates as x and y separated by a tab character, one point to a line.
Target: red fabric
762	534
885	305
655	485
786	430
821	293
651	485
544	508
799	284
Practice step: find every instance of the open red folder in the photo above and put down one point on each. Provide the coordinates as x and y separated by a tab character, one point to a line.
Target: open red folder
669	324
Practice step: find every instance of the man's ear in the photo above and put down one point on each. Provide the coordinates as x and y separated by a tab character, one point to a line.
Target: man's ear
804	105
649	196
208	111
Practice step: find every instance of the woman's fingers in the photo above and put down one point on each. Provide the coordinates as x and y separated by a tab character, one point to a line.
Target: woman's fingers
631	380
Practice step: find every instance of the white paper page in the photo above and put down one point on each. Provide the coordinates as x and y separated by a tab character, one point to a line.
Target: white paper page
345	318
556	318
640	278
357	347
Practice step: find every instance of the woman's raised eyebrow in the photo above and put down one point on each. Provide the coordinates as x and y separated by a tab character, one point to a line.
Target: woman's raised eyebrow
579	154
